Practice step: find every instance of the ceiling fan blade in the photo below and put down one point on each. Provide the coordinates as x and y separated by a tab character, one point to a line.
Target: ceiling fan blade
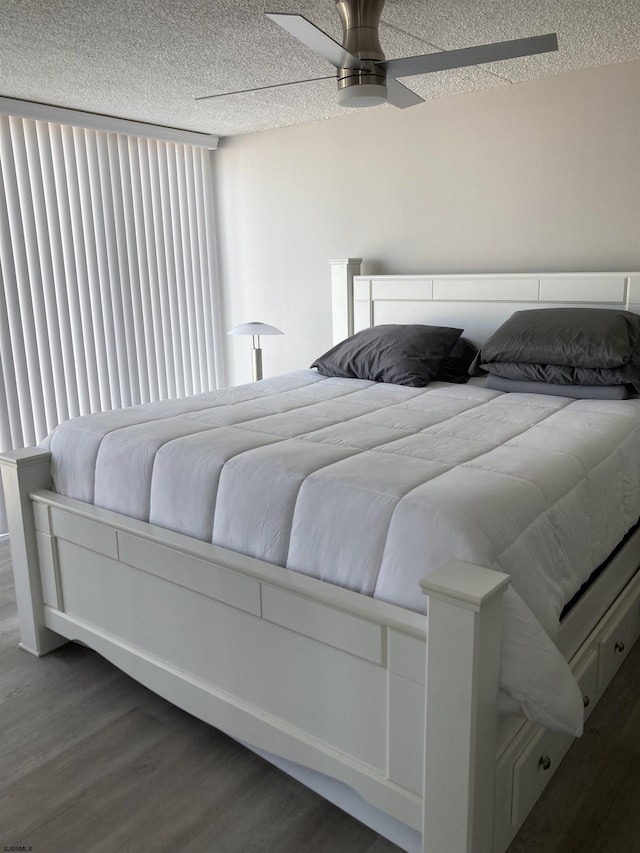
400	96
262	88
429	62
316	39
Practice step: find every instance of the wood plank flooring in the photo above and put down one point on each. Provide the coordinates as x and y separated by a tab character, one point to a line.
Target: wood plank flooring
91	762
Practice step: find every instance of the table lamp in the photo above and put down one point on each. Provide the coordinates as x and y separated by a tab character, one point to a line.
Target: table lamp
255	329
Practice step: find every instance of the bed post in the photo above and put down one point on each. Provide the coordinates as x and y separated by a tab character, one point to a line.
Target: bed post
463	661
23	471
342	273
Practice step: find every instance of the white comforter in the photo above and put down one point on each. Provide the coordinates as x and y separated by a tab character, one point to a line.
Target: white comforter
372	486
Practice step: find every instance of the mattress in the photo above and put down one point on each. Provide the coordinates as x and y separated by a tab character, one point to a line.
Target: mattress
372	486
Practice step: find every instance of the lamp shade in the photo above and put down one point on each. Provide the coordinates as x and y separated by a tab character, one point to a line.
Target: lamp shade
254	329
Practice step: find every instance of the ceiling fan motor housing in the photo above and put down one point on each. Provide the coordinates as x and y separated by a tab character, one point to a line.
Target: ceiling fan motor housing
361	87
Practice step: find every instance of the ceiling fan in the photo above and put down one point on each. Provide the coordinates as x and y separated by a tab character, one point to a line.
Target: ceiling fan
365	77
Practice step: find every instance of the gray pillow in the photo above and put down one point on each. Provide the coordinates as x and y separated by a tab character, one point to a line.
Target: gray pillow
566	346
578	392
579	337
398	354
555	374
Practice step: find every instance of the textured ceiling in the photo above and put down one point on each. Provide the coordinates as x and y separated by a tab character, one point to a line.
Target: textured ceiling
149	59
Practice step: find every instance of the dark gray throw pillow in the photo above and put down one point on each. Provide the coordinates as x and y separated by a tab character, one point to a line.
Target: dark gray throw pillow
576	337
578	392
556	374
398	354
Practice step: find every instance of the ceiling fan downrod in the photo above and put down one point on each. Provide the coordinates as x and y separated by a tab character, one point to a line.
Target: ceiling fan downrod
361	87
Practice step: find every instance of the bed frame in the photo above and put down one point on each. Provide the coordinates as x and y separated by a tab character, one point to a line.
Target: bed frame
329	683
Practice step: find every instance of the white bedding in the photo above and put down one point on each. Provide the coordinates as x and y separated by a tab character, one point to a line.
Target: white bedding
372	486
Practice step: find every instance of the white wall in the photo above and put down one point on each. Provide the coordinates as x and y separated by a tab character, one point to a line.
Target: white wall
543	175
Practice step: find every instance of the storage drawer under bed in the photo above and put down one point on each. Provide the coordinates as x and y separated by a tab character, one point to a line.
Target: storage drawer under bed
618	640
539	760
538	752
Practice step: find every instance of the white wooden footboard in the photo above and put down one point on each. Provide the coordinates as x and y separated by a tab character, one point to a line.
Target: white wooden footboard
310	672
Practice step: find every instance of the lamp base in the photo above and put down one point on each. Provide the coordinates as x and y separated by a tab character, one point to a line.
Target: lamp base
256	363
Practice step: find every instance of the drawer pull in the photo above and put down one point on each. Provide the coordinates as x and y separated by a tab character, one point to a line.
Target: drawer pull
585	701
619	647
545	762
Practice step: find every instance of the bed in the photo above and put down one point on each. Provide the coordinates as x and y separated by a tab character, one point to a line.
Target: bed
328	682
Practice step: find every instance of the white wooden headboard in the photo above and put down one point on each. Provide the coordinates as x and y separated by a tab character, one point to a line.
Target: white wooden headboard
476	303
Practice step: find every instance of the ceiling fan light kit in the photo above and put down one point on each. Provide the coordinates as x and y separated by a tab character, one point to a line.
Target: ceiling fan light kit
361	93
365	78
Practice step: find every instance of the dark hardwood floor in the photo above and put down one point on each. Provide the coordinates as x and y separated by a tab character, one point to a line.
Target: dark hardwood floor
91	762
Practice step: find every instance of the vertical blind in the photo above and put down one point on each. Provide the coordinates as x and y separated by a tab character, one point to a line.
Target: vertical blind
109	293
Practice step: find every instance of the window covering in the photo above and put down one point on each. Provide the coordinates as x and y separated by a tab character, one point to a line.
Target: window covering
109	293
